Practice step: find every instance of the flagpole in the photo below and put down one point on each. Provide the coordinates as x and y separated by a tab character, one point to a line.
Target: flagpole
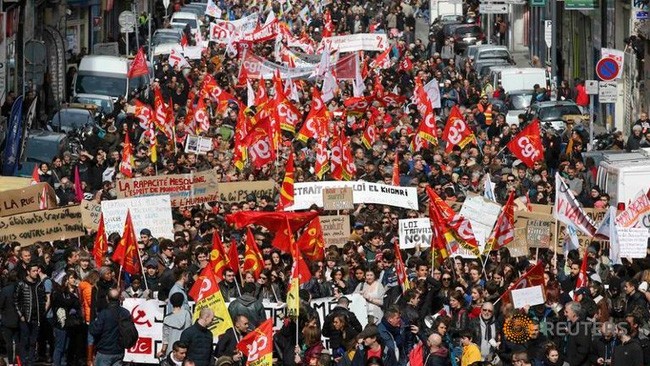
500	151
557	233
119	277
144	274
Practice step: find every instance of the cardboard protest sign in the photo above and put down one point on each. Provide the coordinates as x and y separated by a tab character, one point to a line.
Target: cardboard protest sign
90	214
538	233
183	189
153	213
338	198
413	232
527	296
482	214
336	229
311	193
519	246
45	225
198	144
26	199
236	192
633	242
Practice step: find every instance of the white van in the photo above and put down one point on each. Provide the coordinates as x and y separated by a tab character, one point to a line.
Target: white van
521	78
106	75
183	17
623	176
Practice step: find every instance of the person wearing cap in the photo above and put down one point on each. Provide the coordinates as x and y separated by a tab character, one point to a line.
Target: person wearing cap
369	346
152	275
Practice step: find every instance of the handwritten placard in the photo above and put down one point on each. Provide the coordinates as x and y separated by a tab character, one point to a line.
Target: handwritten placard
413	232
538	234
338	198
633	241
519	246
527	296
336	229
26	199
183	189
236	192
90	214
45	225
153	213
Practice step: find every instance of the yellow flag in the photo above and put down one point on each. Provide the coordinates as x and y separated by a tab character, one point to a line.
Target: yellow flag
293	298
222	321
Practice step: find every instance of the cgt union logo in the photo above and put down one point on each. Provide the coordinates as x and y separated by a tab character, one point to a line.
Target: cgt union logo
143	346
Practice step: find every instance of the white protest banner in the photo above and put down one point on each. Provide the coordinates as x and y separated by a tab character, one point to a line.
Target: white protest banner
355	42
635	213
153	213
183	189
257	67
527	296
567	209
221	30
633	241
482	214
311	193
198	144
413	232
148	317
192	52
336	229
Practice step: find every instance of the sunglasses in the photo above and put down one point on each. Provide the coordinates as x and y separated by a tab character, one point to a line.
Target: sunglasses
487	310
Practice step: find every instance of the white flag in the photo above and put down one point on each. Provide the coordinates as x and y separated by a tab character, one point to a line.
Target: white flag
270	18
330	86
568	211
213	10
607	229
571	241
250	94
433	91
358	87
488	188
176	58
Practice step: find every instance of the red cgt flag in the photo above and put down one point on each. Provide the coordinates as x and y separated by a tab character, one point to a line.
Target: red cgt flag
205	286
138	66
534	277
126	253
233	256
100	246
253	261
504	229
405	65
527	145
218	259
583	279
258	345
456	132
126	166
312	243
395	180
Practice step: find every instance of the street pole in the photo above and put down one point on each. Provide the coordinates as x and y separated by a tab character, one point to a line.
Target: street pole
126	35
554	45
137	28
149	36
591	122
489	29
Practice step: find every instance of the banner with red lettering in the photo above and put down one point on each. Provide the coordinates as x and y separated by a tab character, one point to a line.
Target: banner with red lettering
527	145
635	212
567	209
183	189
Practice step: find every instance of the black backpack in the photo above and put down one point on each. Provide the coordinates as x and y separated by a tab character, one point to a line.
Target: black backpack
128	332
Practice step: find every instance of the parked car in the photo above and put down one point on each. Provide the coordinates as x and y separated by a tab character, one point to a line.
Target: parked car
167	35
553	114
41	147
71	118
186	18
103	103
489	52
483	67
465	35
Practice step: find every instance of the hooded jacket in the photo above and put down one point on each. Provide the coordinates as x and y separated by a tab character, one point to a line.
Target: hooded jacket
250	306
438	358
27	295
173	326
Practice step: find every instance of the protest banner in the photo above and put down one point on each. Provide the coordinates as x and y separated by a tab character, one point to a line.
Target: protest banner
311	193
413	232
44	225
8	183
25	199
355	42
538	233
636	214
198	144
223	31
183	189
527	296
257	67
236	192
519	246
153	213
148	317
633	241
336	229
90	214
482	214
335	199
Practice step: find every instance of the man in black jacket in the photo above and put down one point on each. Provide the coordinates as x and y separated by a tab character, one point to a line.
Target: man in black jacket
227	345
105	330
176	356
31	304
9	316
199	339
629	352
578	335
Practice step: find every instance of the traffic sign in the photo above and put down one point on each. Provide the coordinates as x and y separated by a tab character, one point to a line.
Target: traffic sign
548	33
608	92
492	8
127	21
607	69
591	87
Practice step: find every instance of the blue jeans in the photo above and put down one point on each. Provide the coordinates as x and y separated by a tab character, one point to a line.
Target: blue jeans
61	341
28	337
108	360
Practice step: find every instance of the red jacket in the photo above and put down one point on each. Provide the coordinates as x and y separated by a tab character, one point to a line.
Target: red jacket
582	99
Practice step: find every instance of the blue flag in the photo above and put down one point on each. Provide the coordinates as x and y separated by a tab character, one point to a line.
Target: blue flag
14	134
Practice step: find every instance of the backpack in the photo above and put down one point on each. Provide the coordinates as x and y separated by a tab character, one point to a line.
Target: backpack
128	333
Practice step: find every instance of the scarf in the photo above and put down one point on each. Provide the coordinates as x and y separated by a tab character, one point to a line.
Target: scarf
488	329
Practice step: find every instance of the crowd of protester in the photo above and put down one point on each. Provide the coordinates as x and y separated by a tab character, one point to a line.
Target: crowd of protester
58	306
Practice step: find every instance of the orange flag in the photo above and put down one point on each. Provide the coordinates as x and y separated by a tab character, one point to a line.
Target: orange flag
400	268
101	243
138	66
258	345
253	261
206	285
126	166
126	253
286	191
395	179
312	243
233	256
218	260
300	269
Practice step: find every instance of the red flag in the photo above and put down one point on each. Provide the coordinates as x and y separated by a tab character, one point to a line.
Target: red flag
400	269
439	248
504	229
527	145
78	192
322	160
582	280
315	124
126	253
253	261
100	246
395	180
126	166
349	168
312	243
328	27
336	158
427	128
35	177
286	191
204	286
370	134
260	146
382	61
405	65
300	269
42	199
258	345
138	66
416	357
163	117
534	277
233	256
457	229
218	259
183	40
144	114
201	116
456	132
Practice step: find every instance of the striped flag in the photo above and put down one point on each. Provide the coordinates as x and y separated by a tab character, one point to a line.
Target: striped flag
504	229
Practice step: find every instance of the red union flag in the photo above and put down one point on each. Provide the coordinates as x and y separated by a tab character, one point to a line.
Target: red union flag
205	286
144	113
527	145
456	132
400	268
534	277
258	345
126	253
138	66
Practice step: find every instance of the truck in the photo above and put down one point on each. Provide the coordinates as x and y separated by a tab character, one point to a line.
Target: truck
107	75
624	175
